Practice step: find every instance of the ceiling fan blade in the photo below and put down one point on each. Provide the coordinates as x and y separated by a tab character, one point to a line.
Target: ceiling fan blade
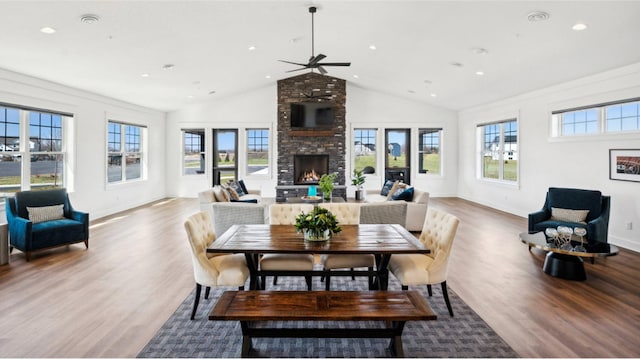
293	63
335	64
322	70
315	60
300	69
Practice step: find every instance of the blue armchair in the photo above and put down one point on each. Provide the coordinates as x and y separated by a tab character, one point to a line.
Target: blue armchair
53	221
596	221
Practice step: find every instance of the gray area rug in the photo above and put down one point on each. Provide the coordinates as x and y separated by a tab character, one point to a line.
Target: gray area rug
464	335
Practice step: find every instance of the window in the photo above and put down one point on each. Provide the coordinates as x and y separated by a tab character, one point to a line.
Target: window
429	159
500	150
610	117
225	145
124	143
364	150
193	152
32	149
258	151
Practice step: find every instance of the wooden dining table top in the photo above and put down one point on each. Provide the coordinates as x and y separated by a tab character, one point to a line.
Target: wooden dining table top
353	239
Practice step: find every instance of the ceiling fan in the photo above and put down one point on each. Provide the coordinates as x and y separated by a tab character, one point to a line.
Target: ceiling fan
314	61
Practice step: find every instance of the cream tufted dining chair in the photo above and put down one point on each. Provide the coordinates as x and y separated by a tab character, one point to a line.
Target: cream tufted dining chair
286	213
438	233
346	213
216	270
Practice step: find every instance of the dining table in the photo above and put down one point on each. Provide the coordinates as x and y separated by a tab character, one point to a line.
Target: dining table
380	240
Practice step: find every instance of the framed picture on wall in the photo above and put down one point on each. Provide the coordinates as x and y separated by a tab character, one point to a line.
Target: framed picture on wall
624	165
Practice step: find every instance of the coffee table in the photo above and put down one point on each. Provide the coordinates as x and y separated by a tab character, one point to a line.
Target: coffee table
562	263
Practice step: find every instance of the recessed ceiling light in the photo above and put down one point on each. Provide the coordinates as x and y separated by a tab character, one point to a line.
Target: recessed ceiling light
433	95
479	73
372	47
267	77
579	26
356	76
168	66
536	16
190	96
251	48
89	18
48	30
145	75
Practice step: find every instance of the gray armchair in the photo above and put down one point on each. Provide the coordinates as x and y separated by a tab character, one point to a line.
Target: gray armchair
596	222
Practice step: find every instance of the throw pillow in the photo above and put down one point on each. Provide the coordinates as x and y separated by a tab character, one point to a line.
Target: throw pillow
46	213
386	188
244	188
403	194
569	215
220	194
396	186
232	192
238	187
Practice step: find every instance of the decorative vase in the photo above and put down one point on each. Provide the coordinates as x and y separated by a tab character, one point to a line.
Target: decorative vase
312	236
326	196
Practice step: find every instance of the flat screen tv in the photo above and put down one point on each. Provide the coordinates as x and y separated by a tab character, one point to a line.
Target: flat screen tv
312	115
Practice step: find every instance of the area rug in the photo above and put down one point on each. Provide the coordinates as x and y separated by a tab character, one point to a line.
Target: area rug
464	335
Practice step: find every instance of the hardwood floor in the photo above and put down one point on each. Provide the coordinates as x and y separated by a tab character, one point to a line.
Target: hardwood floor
108	301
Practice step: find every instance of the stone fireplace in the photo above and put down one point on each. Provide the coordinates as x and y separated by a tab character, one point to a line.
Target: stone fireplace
307	169
321	149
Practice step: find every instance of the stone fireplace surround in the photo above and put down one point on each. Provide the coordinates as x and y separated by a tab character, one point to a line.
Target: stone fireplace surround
310	87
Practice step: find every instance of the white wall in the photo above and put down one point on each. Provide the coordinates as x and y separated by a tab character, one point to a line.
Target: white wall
258	108
90	192
580	162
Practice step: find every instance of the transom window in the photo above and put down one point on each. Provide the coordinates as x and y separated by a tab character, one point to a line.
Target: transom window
610	117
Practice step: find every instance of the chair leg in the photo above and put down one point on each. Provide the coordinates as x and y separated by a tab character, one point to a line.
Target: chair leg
28	255
275	280
241	287
370	277
263	283
308	279
327	283
206	292
429	290
196	301
86	243
446	297
405	287
353	277
10	249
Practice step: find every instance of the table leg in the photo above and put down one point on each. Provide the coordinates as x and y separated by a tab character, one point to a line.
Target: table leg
395	346
383	271
564	266
246	340
252	263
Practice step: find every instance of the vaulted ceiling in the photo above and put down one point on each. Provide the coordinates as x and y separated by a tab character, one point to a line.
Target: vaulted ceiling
428	51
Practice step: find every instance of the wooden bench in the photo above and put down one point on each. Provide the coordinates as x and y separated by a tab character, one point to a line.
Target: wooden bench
392	307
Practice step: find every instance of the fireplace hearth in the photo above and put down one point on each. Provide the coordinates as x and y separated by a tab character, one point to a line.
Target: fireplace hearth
307	169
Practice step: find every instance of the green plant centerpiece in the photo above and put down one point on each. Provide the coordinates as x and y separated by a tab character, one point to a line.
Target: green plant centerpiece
357	180
317	225
326	185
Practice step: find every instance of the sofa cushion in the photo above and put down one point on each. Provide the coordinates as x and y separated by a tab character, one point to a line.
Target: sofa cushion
386	188
221	194
207	196
41	198
569	215
403	194
45	213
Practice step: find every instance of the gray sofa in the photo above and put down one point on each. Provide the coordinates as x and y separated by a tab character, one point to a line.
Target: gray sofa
416	208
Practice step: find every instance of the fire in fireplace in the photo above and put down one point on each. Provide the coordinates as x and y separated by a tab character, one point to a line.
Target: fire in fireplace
307	169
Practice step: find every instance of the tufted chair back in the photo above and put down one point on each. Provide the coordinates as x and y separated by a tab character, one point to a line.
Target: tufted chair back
346	213
438	233
200	231
286	213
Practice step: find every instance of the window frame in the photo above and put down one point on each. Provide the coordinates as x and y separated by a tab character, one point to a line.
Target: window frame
501	151
202	151
269	148
602	127
420	151
123	152
376	132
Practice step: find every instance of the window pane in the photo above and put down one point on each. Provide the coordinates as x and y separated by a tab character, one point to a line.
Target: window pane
46	172
258	151
491	151
510	153
10	171
114	137
133	169
45	134
365	150
227	176
429	150
114	168
397	148
132	138
193	155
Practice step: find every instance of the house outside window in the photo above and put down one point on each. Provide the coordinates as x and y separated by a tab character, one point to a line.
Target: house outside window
258	151
499	154
364	153
429	158
32	149
124	163
193	154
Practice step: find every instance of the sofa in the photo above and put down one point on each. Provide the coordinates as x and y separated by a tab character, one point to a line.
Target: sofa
416	205
44	219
